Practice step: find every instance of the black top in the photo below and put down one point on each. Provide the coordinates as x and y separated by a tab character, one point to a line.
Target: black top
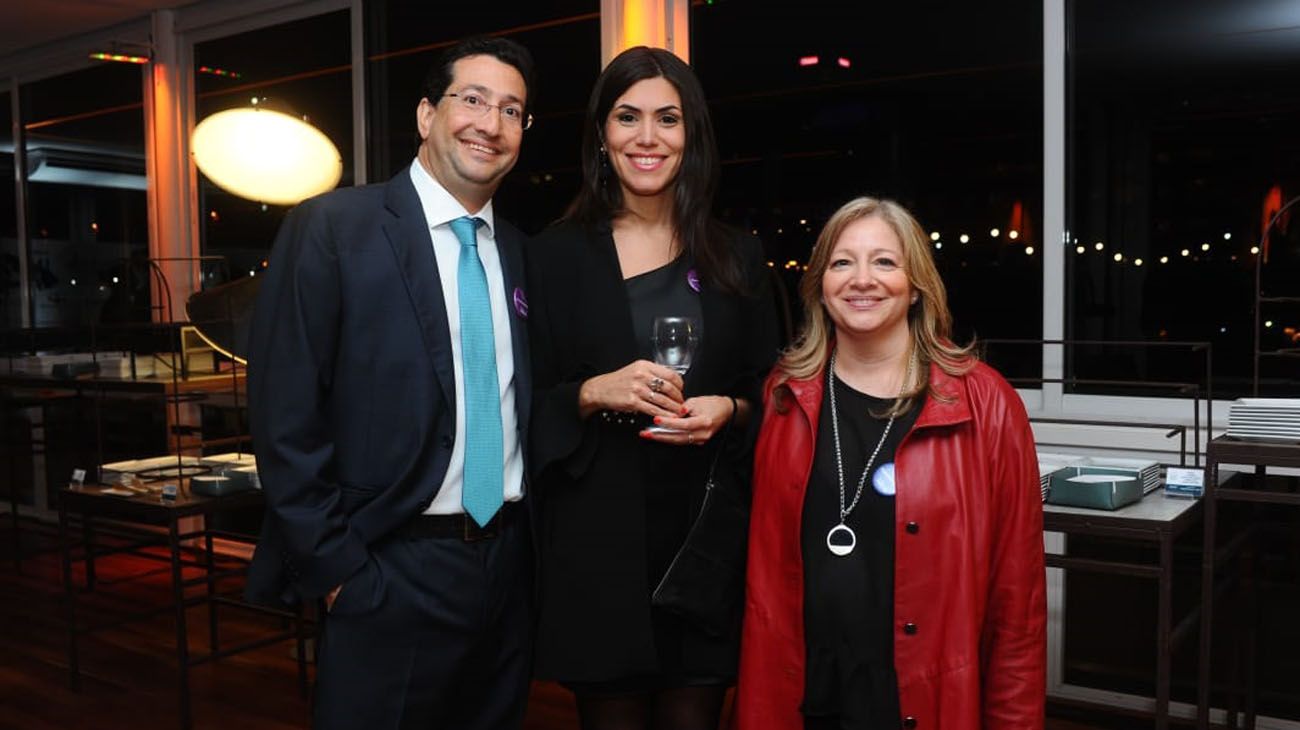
663	292
614	507
849	599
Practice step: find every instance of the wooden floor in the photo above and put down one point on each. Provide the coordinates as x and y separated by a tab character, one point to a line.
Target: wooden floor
128	671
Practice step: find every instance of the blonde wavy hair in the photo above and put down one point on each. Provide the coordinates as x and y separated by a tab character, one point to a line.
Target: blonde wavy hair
929	322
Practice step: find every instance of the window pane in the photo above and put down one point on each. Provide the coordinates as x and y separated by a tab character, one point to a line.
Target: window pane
11	313
564	39
302	67
86	207
895	100
1182	145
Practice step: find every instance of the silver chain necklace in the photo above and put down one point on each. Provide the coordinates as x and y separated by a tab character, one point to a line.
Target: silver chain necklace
838	548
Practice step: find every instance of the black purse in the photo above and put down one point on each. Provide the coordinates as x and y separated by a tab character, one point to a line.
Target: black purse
705	582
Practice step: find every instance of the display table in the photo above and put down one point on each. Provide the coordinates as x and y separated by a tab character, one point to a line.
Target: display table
132	517
1156	519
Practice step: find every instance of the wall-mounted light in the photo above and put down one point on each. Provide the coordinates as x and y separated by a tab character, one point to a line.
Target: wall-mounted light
266	155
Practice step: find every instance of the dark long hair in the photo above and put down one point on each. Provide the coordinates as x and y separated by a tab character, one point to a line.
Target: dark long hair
601	197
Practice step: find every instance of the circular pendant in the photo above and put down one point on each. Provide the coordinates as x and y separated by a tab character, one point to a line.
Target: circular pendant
841	547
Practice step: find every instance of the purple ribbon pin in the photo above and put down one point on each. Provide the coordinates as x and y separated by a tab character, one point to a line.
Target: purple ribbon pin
521	304
693	279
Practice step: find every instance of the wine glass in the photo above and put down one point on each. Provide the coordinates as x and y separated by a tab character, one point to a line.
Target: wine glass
673	340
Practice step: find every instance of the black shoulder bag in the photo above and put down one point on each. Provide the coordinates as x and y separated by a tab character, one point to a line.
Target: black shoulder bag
705	582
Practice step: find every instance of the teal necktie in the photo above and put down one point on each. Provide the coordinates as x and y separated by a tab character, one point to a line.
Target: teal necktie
483	487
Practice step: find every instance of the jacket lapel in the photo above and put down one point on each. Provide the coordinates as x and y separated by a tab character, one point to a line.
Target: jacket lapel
408	235
510	251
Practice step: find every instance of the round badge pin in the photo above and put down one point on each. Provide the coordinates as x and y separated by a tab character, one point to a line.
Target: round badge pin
883	480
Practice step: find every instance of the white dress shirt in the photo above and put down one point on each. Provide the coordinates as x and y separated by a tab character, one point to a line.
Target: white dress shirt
440	208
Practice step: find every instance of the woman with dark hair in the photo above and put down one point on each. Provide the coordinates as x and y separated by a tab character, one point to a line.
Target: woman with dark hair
895	573
621	445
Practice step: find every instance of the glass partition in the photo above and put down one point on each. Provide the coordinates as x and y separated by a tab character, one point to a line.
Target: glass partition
564	39
1182	133
86	209
935	104
302	67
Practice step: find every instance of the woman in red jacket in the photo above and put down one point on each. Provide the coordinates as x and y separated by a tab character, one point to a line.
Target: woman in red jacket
895	571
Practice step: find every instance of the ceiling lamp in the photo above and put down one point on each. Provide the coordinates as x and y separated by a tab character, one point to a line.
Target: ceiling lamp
266	155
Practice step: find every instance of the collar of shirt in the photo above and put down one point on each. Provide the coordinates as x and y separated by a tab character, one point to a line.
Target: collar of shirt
440	208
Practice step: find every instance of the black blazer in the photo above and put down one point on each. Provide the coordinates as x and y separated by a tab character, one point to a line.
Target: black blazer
350	382
591	475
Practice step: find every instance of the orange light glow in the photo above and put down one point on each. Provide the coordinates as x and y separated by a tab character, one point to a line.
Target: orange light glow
1272	204
636	25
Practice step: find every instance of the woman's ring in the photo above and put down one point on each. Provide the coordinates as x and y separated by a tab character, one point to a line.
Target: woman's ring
690	437
656	384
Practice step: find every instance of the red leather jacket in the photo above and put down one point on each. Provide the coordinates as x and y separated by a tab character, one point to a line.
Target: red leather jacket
970	608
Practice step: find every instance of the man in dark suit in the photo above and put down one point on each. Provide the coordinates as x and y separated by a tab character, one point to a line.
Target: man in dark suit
388	395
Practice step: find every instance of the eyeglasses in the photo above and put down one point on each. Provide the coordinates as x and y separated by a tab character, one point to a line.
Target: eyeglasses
512	113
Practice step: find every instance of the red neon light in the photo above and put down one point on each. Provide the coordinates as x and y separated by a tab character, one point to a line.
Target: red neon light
809	60
843	62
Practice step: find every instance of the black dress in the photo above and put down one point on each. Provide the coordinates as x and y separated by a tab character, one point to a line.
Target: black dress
613	506
849	599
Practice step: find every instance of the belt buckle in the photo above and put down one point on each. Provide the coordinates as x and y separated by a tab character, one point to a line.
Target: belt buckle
471	532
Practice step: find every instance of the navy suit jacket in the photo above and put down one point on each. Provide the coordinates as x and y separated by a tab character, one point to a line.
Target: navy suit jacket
350	382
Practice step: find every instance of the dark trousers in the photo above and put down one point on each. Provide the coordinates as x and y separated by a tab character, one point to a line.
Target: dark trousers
432	633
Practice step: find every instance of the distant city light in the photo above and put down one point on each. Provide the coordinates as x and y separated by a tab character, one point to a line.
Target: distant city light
934	236
803	221
995	233
114	279
220	72
1137	262
1205	247
1119	257
1029	250
1079	249
1185	252
938	244
1227	236
809	60
1013	235
1164	259
1223	330
843	62
1254	250
964	238
74	282
1267	322
1099	245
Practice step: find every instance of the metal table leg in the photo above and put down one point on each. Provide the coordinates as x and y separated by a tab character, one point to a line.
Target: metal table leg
182	635
1207	599
69	597
213	643
1164	629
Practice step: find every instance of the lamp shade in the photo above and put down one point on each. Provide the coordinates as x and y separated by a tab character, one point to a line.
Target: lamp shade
265	155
